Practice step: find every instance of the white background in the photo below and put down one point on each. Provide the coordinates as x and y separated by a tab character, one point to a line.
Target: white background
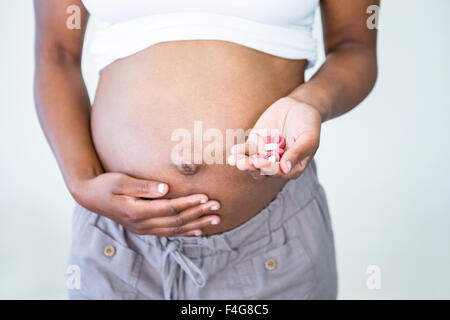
385	165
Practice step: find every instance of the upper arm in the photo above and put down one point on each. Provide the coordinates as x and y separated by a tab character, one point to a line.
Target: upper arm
54	38
345	21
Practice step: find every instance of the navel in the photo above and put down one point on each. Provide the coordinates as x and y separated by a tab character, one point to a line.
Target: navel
188	168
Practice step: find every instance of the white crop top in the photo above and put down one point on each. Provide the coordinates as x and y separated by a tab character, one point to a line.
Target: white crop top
278	27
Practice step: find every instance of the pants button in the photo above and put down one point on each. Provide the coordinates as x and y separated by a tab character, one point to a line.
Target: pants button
109	251
271	264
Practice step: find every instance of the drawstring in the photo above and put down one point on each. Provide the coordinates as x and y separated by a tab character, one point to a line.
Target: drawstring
173	260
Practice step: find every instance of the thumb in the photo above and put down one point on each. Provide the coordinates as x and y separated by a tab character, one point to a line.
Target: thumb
298	151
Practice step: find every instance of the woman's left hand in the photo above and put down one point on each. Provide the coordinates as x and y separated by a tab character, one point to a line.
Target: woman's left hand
299	123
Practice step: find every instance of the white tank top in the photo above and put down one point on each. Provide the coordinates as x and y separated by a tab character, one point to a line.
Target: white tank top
278	27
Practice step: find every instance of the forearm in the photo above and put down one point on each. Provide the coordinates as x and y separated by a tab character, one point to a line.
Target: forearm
63	107
345	79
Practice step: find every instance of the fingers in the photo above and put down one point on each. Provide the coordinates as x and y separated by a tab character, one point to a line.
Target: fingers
292	163
243	155
184	217
200	223
257	142
183	203
125	185
192	228
245	163
253	146
188	222
146	209
296	158
267	168
196	232
248	148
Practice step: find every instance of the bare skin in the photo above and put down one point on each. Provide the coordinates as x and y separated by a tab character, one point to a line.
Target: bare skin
114	160
141	100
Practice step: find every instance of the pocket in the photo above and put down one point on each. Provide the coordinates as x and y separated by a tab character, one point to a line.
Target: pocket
108	269
285	272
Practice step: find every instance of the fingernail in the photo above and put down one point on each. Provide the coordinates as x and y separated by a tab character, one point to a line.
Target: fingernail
215	221
198	233
161	187
214	208
289	166
203	201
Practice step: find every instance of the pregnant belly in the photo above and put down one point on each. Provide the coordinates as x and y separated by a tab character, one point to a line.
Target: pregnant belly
190	101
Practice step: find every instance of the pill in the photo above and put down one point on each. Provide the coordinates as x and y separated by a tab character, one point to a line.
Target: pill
271	146
282	143
270	154
274	147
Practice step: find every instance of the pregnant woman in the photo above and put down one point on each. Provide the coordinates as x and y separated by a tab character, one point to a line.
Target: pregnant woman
152	223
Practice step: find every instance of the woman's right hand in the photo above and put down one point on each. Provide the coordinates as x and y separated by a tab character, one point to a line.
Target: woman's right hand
63	106
131	203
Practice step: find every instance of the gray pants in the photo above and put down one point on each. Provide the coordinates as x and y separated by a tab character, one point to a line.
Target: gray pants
285	252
